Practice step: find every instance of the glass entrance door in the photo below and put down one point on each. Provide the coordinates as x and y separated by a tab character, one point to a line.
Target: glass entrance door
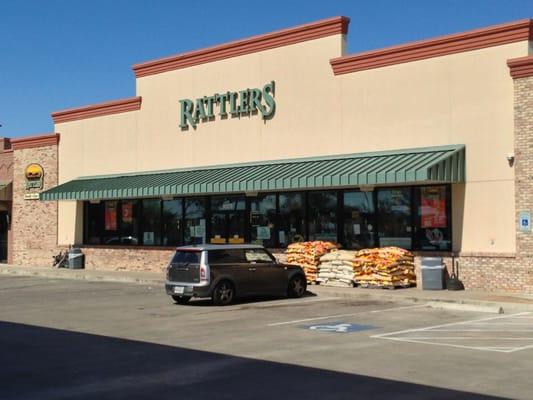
395	222
359	220
228	219
4	225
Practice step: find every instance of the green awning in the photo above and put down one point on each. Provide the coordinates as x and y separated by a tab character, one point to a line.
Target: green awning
422	165
4	184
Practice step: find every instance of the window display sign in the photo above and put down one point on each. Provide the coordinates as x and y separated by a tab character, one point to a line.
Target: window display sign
263	233
110	215
433	207
148	238
127	212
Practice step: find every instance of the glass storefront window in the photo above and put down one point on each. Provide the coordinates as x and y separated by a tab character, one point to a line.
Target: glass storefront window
359	220
322	212
129	222
111	234
94	223
195	225
291	218
411	217
433	230
151	222
172	222
262	220
227	219
394	211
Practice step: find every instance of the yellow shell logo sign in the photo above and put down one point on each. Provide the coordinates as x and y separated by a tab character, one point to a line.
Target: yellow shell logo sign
34	176
34	171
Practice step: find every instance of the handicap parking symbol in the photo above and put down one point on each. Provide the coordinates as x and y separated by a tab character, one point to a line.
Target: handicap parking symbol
338	327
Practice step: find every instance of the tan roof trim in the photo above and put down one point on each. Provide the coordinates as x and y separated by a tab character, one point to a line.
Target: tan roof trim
35	141
97	110
471	40
521	67
314	30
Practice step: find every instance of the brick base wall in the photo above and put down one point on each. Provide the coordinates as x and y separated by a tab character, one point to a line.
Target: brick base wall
112	259
490	273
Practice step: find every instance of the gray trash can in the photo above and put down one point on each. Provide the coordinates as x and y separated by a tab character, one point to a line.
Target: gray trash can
76	259
432	273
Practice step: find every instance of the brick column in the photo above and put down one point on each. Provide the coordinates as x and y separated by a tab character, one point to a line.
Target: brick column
522	72
34	223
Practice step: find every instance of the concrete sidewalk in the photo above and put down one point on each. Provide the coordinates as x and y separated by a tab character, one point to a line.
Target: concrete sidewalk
466	299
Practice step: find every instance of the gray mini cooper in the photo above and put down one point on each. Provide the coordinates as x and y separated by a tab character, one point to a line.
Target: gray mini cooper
224	272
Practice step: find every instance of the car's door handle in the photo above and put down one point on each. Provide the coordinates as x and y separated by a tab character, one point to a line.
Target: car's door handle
251	269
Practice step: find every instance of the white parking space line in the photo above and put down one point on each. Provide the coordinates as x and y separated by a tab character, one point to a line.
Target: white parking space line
465	338
296	301
498	349
297	321
448	324
482	330
492	334
522	348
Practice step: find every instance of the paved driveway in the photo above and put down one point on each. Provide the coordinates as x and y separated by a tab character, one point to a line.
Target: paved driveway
75	339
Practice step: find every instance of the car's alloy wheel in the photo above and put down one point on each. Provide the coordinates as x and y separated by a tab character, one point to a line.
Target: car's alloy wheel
223	294
297	286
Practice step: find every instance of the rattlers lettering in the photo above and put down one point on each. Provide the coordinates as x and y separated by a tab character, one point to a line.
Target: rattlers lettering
236	104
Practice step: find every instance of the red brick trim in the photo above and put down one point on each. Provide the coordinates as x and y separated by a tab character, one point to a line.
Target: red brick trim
97	110
35	141
440	46
315	30
521	67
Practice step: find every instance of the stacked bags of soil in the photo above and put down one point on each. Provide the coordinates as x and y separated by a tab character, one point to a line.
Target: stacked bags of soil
387	267
307	255
336	269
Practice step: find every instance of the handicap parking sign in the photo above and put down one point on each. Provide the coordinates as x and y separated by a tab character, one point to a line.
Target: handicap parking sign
338	327
524	221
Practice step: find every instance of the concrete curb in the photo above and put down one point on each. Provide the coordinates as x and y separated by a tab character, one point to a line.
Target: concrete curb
459	304
95	276
488	308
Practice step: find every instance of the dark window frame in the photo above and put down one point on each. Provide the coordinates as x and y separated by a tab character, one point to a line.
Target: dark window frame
414	191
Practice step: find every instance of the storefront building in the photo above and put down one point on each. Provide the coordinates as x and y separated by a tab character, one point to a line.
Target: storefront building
283	137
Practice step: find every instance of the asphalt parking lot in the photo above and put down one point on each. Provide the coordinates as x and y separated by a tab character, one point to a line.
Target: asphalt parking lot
73	339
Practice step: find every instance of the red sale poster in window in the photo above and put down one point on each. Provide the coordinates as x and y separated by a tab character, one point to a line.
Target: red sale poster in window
111	216
433	212
127	212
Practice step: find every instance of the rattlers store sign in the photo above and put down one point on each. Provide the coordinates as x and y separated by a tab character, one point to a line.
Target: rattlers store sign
34	176
242	103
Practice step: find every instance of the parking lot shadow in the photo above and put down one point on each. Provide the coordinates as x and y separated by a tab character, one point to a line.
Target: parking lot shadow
44	363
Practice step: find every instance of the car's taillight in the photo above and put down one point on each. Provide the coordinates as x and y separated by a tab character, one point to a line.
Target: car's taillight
203	272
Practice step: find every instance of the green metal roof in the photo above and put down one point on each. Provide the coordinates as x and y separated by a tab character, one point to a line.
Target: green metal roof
423	165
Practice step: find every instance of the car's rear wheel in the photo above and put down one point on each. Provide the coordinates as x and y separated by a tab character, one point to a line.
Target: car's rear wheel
297	286
223	294
181	299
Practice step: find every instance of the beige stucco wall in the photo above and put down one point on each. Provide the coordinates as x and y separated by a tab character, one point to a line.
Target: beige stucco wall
465	98
306	108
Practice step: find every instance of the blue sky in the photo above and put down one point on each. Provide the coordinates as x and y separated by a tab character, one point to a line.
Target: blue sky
58	54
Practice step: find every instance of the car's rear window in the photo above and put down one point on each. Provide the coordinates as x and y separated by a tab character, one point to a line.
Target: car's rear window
226	256
189	257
